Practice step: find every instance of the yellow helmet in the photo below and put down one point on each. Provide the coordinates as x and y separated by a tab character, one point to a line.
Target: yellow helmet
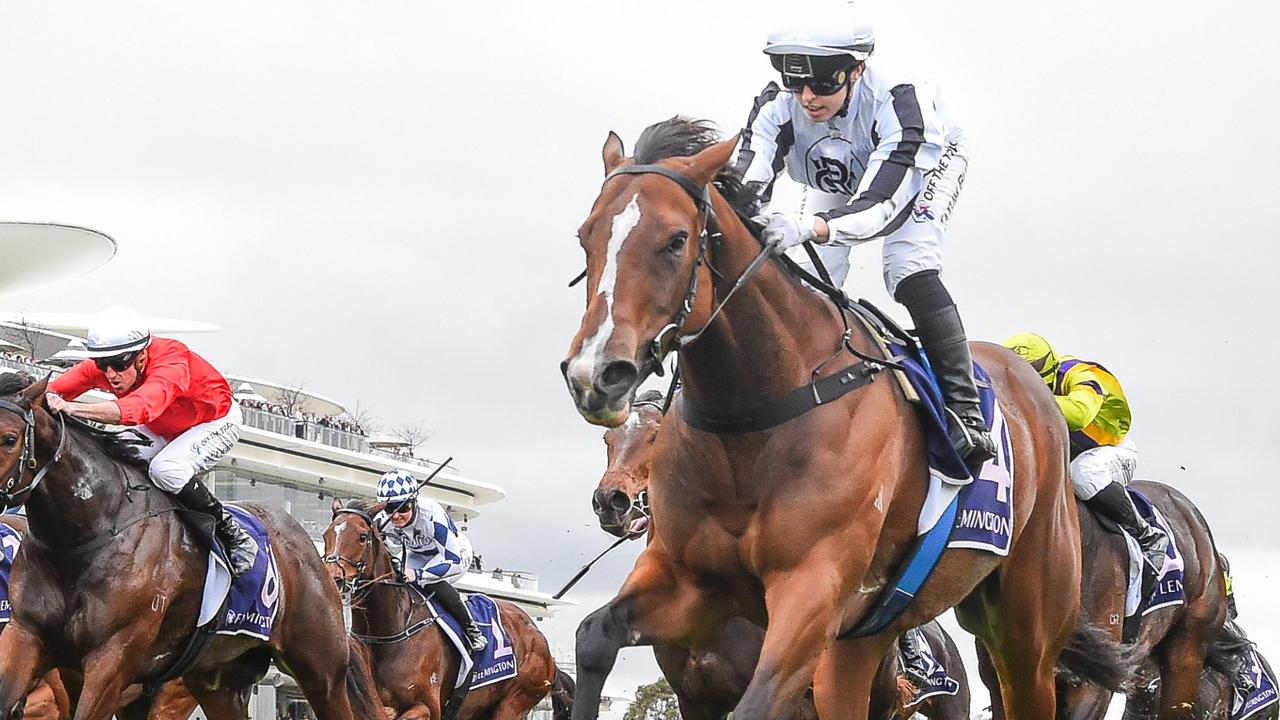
1037	351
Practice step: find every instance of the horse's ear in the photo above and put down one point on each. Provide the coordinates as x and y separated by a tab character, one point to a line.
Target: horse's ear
613	152
336	505
33	396
704	166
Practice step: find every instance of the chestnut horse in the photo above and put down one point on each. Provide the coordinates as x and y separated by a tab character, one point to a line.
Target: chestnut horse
803	523
710	681
110	582
414	666
1174	640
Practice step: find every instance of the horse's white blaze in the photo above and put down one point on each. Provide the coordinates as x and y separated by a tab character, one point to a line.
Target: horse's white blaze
337	529
583	367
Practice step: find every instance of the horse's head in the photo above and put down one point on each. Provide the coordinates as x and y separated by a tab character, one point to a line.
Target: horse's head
645	241
24	424
354	553
621	499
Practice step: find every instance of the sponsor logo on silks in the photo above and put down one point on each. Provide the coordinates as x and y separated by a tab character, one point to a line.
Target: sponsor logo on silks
831	175
922	213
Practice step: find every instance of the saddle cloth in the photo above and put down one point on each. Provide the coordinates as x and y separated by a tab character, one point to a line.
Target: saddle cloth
984	517
10	539
1167	590
1263	695
498	661
252	601
940	683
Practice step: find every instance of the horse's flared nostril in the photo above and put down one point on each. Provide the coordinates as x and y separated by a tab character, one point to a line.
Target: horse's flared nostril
610	500
617	378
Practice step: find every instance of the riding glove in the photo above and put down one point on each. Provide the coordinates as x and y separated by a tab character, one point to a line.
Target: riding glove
784	231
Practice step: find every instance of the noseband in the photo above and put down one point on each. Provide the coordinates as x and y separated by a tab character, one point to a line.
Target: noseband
359	581
27	458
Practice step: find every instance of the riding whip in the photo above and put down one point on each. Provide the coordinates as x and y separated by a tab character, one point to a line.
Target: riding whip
574	580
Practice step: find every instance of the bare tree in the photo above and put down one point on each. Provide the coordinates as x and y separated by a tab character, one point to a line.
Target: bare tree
292	399
361	414
25	335
413	435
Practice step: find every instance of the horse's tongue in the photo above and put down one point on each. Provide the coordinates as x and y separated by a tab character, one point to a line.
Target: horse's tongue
638	526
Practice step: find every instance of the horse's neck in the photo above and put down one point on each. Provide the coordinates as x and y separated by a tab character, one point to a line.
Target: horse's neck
386	608
767	339
83	495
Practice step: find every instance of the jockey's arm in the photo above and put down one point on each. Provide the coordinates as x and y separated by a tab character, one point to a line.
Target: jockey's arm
103	412
893	176
1082	402
160	386
763	145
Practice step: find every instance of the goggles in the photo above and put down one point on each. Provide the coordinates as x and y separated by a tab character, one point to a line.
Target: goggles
799	72
402	509
118	363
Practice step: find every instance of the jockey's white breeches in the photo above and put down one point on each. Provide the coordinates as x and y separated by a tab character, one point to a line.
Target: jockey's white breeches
456	570
173	463
914	247
1094	469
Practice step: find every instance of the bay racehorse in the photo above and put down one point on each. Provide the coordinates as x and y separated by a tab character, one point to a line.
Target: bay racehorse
50	699
802	523
110	582
1217	687
709	682
414	665
1173	641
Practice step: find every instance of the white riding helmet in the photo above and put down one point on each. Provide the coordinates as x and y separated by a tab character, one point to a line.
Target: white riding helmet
397	486
116	332
838	31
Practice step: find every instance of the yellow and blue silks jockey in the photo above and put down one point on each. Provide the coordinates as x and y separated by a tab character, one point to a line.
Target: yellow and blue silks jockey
1103	457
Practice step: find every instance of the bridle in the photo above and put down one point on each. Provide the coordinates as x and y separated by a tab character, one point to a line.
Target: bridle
359	582
656	353
27	458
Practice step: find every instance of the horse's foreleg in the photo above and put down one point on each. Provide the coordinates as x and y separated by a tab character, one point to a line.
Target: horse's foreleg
222	703
850	674
987	673
22	660
106	676
657	604
802	621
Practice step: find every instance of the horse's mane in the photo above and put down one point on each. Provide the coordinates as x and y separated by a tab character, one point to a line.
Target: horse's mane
363	505
118	446
681	137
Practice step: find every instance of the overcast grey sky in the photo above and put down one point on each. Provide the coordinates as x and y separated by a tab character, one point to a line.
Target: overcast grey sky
378	199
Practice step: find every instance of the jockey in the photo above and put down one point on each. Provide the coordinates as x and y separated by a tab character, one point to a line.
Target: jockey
173	397
880	158
436	554
1103	458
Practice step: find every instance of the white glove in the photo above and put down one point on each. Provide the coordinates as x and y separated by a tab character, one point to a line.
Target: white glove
786	231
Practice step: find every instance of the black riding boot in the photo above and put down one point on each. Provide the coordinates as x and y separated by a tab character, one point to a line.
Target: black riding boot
942	336
912	660
452	601
1113	503
241	549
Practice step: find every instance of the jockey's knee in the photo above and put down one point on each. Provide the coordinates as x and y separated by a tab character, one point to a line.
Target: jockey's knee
170	474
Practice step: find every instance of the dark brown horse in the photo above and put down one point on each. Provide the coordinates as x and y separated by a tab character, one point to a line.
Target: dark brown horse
109	583
49	699
1173	640
709	682
801	523
1226	655
414	666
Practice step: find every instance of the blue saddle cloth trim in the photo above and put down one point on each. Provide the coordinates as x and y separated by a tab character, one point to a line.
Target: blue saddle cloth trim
9	542
498	661
1263	696
254	598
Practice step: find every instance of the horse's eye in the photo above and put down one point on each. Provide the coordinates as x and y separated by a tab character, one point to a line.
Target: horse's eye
364	538
676	244
10	440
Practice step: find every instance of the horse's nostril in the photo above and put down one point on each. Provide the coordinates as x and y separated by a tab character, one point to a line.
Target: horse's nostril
610	500
618	377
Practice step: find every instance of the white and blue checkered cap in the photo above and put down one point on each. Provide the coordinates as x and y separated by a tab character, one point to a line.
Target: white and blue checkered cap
397	485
